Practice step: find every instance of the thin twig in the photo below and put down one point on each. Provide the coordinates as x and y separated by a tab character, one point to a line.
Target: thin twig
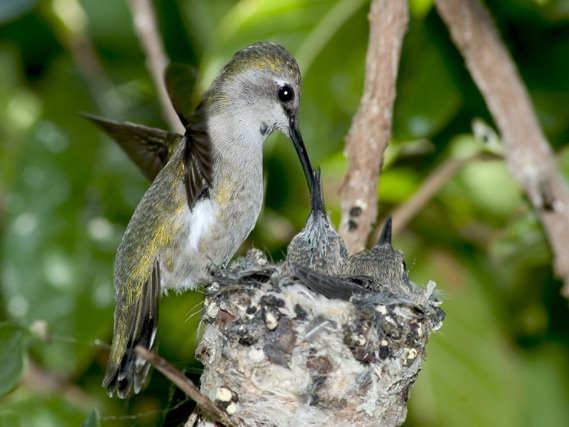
183	383
527	153
428	189
71	30
146	27
323	32
370	132
192	420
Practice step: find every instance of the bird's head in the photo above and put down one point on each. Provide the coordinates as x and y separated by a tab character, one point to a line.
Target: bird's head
260	89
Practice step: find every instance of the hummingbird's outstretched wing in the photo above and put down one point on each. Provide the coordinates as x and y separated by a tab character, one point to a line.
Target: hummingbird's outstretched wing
149	148
332	287
134	325
180	82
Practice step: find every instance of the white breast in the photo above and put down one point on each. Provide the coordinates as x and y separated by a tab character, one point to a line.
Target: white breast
199	221
183	266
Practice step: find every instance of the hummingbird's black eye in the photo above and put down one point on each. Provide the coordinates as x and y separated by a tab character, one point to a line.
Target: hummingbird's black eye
286	93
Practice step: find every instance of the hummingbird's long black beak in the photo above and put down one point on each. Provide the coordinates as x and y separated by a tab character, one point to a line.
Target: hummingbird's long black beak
316	197
385	238
296	138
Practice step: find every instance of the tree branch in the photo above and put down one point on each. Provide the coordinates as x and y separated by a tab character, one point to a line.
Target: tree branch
183	384
147	30
528	155
370	132
70	26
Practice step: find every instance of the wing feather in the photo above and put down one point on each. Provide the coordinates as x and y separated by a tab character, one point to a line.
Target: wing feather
149	148
332	287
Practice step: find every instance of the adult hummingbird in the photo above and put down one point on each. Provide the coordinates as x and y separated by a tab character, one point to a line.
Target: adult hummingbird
371	270
206	199
317	246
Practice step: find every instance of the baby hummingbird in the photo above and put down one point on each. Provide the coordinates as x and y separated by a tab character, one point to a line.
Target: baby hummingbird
371	270
317	246
205	200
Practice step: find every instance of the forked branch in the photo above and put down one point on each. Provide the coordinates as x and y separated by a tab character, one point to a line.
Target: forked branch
527	153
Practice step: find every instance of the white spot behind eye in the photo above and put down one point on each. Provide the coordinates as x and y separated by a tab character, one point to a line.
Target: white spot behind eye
281	83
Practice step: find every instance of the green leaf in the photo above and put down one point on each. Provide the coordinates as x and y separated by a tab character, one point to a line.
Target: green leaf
13	340
92	420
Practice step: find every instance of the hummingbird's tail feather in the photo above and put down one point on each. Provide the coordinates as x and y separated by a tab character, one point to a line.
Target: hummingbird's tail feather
331	287
149	148
125	369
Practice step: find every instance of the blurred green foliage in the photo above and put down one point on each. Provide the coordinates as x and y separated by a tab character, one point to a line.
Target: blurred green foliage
67	193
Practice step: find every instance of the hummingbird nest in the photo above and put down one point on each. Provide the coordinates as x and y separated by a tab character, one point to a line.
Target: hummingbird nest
277	354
